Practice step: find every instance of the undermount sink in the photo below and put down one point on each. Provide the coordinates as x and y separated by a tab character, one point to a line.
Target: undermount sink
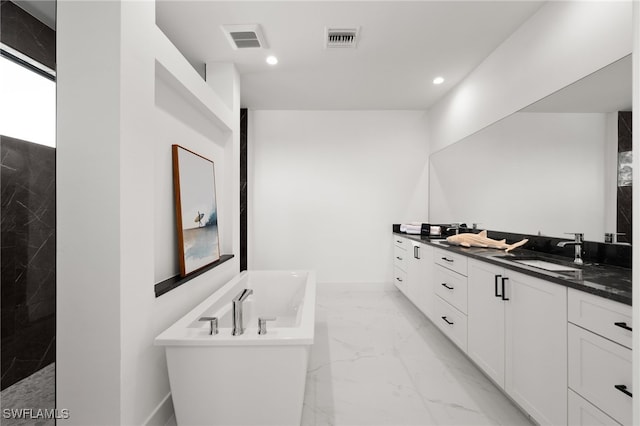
440	241
547	266
543	264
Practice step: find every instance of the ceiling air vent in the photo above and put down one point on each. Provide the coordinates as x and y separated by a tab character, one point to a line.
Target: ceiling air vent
341	37
244	36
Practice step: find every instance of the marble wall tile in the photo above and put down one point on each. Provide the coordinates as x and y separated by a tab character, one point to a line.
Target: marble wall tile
244	120
27	258
624	222
624	131
24	33
593	252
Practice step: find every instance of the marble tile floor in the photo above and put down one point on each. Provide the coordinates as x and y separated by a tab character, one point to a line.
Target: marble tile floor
378	361
36	392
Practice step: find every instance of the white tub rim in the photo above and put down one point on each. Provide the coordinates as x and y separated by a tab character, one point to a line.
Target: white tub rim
180	334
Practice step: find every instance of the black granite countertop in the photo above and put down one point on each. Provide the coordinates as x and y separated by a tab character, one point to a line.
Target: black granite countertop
611	282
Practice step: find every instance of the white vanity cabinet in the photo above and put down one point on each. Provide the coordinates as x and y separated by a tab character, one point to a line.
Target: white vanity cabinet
563	355
517	335
536	347
420	277
486	319
412	272
600	366
400	262
450	289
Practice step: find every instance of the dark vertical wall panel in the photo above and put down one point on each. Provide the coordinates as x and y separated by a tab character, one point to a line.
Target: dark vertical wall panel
624	222
243	187
28	258
27	216
26	34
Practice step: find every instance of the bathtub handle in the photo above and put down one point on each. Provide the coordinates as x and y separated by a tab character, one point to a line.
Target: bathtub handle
213	324
262	324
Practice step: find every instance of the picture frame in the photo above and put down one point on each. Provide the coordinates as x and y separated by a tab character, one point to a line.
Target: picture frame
196	210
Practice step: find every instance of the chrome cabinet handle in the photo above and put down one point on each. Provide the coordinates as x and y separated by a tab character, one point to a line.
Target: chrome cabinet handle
446	286
447	260
398	257
213	324
623	389
399	279
623	325
447	321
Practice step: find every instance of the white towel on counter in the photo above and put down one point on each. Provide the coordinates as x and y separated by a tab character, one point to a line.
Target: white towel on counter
410	228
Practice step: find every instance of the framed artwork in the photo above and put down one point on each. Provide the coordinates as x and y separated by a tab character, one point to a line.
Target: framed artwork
196	210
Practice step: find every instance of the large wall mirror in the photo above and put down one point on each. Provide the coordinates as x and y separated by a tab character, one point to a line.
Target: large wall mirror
557	166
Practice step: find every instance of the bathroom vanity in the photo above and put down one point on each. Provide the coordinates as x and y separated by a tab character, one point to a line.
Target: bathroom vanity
558	343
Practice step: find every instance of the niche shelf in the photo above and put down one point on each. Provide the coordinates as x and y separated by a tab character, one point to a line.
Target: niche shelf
176	281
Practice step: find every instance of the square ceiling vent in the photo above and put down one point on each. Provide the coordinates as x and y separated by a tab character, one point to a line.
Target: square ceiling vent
245	36
341	38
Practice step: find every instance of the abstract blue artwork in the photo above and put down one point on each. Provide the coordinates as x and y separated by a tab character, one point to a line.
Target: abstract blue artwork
196	210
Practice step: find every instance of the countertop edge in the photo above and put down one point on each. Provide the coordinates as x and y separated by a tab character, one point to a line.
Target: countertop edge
481	254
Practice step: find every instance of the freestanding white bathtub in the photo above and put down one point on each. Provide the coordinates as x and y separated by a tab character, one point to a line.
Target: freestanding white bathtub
249	379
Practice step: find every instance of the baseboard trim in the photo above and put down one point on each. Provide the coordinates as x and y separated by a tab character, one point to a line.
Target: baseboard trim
163	412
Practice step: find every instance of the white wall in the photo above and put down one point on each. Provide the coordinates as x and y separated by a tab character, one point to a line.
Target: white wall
88	213
124	96
326	186
561	43
528	173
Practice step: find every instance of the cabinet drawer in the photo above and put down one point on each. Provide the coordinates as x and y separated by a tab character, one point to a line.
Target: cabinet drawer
451	286
400	242
596	367
452	322
455	262
400	279
584	413
400	257
602	316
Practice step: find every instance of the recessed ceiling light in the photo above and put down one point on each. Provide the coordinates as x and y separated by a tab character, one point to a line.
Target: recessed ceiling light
272	60
438	80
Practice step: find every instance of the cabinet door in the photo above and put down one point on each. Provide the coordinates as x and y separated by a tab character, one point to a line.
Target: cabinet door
602	316
536	347
601	371
583	413
450	286
400	280
420	290
451	321
401	254
485	313
400	259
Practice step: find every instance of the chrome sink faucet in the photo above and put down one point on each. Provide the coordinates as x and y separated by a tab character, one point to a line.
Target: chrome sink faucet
577	242
454	226
238	327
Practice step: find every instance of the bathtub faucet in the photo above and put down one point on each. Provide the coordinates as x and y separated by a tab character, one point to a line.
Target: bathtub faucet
238	328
